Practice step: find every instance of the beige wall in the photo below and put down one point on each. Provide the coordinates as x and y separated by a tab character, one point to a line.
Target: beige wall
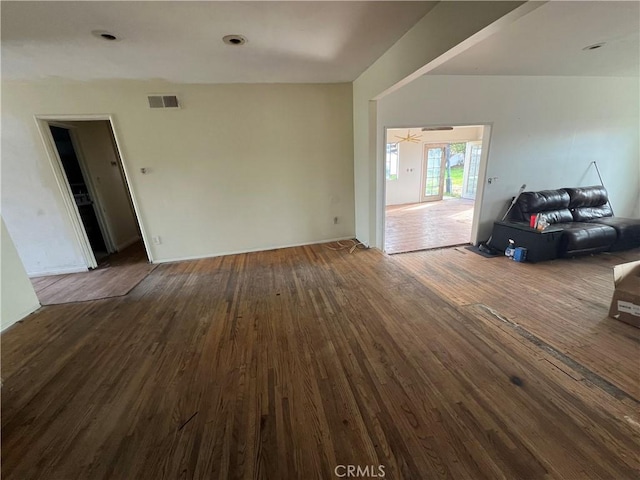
17	296
238	168
101	162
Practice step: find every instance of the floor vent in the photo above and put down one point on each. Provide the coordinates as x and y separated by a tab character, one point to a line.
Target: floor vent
163	101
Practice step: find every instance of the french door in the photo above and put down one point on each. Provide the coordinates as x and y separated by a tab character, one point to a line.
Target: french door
471	170
433	172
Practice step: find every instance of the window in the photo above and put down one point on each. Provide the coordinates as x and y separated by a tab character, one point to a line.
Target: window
392	161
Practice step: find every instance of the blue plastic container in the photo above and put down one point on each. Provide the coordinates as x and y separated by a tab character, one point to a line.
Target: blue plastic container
520	254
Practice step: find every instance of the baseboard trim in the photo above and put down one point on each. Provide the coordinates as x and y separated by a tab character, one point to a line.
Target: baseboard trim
22	315
57	271
252	250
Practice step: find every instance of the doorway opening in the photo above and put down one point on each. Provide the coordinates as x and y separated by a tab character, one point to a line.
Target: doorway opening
83	196
431	180
88	166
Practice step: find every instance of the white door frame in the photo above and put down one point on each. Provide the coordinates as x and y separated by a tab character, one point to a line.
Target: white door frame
42	123
482	176
482	173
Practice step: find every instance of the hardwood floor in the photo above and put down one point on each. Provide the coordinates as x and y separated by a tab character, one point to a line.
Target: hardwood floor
286	364
421	226
116	276
565	302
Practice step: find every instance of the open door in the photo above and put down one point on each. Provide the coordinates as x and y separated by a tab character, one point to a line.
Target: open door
433	172
82	190
471	170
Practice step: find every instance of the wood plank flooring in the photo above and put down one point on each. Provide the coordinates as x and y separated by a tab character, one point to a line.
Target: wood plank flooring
565	302
116	276
421	226
289	363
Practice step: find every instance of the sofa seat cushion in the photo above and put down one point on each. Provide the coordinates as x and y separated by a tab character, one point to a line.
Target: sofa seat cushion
586	214
557	216
579	237
628	230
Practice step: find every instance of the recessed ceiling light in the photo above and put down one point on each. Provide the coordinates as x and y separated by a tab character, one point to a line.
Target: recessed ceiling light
234	40
104	35
595	46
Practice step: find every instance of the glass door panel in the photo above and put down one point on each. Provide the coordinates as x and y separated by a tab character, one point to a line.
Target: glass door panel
433	179
472	170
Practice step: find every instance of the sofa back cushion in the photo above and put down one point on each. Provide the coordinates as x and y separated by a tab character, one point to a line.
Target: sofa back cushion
594	196
553	203
588	203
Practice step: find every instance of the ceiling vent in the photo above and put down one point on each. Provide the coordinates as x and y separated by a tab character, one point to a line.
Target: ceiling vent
436	129
163	101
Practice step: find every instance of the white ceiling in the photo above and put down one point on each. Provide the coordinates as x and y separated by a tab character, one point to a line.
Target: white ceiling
182	41
549	41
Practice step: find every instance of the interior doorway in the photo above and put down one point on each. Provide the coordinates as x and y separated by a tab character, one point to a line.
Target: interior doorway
430	199
83	195
86	161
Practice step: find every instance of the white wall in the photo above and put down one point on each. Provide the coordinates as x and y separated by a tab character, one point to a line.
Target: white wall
428	40
238	168
546	131
406	188
101	160
32	206
17	296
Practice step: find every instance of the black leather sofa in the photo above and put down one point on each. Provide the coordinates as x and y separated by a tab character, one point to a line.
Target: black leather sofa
585	217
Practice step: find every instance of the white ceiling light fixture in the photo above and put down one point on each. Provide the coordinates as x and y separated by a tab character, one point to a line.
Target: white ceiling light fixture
235	40
104	35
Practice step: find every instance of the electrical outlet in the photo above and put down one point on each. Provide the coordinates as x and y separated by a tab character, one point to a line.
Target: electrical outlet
157	240
335	220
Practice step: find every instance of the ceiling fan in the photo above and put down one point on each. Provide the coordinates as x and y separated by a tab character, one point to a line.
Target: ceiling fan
413	138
